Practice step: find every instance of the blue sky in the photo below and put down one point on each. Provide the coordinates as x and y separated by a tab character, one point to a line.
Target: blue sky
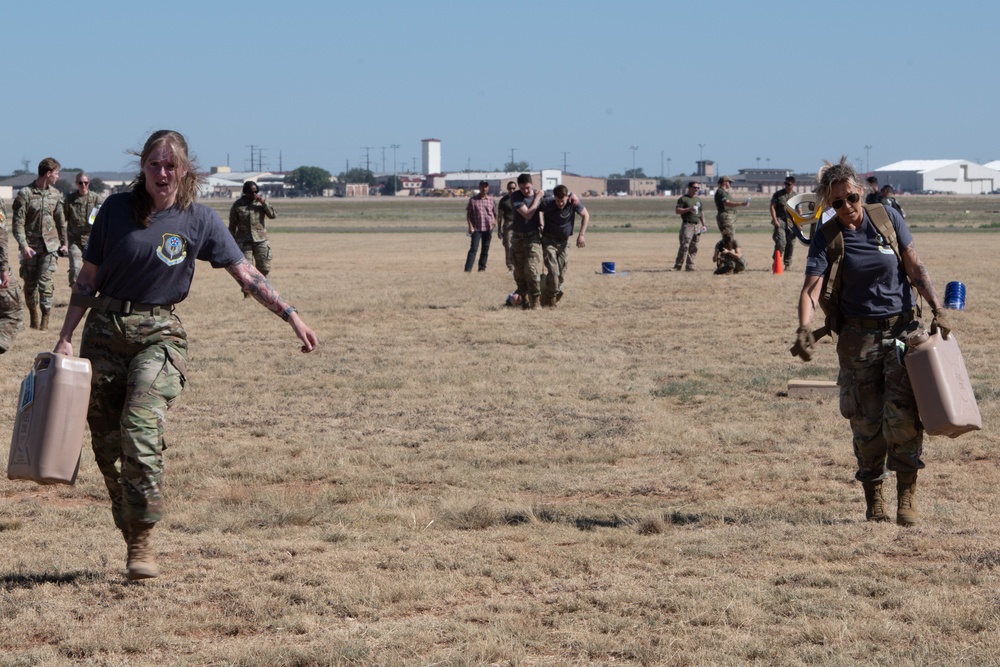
312	83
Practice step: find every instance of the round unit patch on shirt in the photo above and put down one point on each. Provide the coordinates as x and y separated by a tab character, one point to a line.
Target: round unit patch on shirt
172	250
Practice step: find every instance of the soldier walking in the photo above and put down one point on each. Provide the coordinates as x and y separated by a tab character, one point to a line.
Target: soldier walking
40	232
246	224
80	208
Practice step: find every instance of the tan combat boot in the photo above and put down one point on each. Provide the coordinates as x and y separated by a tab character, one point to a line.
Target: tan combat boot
44	324
141	560
874	502
33	316
906	486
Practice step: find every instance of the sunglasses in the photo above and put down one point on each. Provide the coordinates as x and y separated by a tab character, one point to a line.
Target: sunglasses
83	182
853	198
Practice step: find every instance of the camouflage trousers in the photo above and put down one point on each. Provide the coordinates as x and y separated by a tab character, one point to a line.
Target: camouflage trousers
258	254
877	398
505	238
11	315
784	240
38	274
526	253
726	220
77	244
688	250
555	257
139	363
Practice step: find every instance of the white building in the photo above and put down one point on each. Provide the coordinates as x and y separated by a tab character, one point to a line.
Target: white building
431	156
960	177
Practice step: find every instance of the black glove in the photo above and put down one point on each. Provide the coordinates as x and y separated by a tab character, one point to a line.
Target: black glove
940	323
804	344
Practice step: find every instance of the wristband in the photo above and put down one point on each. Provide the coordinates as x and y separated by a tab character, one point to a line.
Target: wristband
287	312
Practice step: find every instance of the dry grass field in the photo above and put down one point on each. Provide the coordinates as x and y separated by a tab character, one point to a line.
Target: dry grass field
620	481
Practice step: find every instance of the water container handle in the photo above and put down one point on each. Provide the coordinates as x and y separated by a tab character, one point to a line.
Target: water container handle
43	361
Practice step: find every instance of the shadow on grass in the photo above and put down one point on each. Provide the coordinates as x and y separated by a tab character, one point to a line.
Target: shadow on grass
9	582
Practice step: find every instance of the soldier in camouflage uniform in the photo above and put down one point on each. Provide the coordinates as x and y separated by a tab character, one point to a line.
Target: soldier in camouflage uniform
40	232
138	264
11	307
505	223
77	208
726	205
784	229
246	224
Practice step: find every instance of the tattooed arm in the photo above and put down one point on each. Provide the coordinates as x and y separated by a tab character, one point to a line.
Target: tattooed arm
256	285
86	284
919	277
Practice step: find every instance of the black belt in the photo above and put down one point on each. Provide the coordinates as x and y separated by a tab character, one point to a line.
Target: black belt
523	234
883	325
106	304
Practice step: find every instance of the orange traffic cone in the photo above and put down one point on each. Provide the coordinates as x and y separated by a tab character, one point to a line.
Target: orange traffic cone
777	268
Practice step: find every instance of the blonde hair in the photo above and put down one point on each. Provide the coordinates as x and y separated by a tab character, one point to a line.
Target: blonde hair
830	175
187	190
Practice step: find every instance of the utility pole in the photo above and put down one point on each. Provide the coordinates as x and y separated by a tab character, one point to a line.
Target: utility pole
668	167
867	148
251	147
367	157
383	159
395	168
565	153
701	155
512	157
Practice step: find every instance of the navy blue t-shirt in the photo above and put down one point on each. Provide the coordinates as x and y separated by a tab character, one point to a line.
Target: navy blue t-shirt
522	224
559	221
873	284
155	264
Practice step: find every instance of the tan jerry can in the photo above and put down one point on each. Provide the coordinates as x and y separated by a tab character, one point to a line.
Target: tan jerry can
51	413
945	400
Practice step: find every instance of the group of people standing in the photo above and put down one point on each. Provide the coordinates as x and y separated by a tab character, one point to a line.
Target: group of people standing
45	226
728	256
535	229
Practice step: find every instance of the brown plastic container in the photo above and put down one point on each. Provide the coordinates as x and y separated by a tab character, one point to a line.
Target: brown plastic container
51	413
945	400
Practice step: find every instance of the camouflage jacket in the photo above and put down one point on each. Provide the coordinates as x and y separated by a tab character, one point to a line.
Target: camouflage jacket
4	260
246	220
39	219
77	209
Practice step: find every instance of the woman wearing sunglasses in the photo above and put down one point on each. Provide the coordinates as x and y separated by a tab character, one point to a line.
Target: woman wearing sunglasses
875	307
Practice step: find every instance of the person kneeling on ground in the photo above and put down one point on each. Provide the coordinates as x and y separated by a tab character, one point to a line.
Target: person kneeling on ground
728	256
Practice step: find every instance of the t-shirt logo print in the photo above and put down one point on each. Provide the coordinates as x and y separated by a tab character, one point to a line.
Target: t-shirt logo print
173	250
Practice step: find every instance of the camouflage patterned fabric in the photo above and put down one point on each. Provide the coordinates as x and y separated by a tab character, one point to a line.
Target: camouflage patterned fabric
246	224
526	253
876	396
505	221
726	216
77	208
39	223
11	305
139	363
784	234
39	219
38	274
555	256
